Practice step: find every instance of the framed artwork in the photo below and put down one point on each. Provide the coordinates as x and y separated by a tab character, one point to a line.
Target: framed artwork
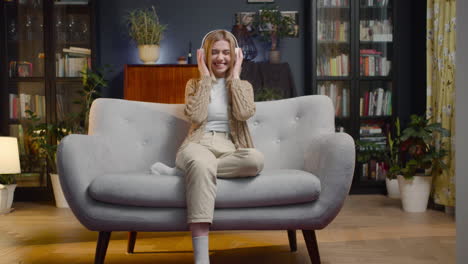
246	19
294	30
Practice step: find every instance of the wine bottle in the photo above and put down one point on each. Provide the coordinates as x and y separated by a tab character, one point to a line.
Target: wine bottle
189	56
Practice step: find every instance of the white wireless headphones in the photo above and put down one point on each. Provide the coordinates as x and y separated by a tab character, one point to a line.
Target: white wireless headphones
235	40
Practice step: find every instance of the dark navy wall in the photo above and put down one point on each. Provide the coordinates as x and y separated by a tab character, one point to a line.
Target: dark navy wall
186	20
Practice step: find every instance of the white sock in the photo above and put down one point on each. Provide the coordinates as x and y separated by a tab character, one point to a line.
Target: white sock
200	250
162	169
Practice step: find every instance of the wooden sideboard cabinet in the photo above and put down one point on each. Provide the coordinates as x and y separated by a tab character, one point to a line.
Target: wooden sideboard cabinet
160	83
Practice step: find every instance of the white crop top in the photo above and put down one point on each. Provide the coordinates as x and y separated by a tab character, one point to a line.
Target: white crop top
218	119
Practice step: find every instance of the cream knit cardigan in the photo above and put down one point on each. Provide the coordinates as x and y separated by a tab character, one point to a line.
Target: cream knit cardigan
241	107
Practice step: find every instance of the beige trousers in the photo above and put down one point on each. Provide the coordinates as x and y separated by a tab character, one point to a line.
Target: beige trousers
214	156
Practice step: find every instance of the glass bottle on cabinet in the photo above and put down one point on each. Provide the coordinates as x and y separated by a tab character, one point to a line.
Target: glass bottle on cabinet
47	45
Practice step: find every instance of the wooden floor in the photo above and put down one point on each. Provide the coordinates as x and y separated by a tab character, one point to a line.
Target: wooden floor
371	229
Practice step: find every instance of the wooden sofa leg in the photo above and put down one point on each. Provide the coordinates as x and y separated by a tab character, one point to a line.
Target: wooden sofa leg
131	242
292	240
312	247
101	248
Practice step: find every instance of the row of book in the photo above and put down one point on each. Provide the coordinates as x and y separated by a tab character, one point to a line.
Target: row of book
372	63
333	3
333	66
339	97
72	62
376	103
22	102
374	170
17	130
375	30
370	130
332	30
373	3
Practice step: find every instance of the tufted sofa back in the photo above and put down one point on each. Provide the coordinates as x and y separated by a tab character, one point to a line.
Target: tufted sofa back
141	133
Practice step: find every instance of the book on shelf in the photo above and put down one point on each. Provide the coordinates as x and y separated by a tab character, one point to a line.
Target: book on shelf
333	66
370	130
372	63
374	170
375	30
22	102
376	103
339	97
329	30
72	62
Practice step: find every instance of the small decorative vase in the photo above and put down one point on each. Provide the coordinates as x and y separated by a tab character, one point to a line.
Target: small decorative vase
148	54
60	201
275	56
415	193
393	190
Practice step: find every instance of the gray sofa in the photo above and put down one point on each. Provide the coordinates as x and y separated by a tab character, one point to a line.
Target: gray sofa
107	182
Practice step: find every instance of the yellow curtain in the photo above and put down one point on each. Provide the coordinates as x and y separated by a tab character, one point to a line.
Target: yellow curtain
441	87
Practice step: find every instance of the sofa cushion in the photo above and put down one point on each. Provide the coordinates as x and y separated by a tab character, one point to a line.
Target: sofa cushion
271	187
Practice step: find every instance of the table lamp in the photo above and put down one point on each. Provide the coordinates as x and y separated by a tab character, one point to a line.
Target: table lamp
9	156
9	165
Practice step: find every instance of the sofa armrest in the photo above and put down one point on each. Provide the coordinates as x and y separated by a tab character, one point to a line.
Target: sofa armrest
80	159
331	157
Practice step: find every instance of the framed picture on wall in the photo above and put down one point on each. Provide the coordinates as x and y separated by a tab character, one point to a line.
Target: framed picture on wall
246	19
294	15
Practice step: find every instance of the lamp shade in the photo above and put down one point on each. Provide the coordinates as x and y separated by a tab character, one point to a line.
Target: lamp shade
9	156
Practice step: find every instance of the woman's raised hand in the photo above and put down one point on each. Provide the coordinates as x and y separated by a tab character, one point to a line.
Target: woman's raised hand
236	71
202	63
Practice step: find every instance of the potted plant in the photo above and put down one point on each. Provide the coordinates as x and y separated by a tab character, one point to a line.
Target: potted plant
7	183
423	152
272	27
392	158
47	136
144	28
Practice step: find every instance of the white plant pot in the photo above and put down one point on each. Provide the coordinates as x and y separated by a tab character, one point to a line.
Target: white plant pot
148	54
60	201
11	193
6	198
415	193
393	190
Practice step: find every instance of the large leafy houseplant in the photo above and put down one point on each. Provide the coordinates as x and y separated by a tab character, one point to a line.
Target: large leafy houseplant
272	26
47	136
422	148
144	27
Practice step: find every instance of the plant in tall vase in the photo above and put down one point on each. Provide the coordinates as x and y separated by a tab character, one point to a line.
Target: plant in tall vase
144	28
423	154
47	136
272	27
393	159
